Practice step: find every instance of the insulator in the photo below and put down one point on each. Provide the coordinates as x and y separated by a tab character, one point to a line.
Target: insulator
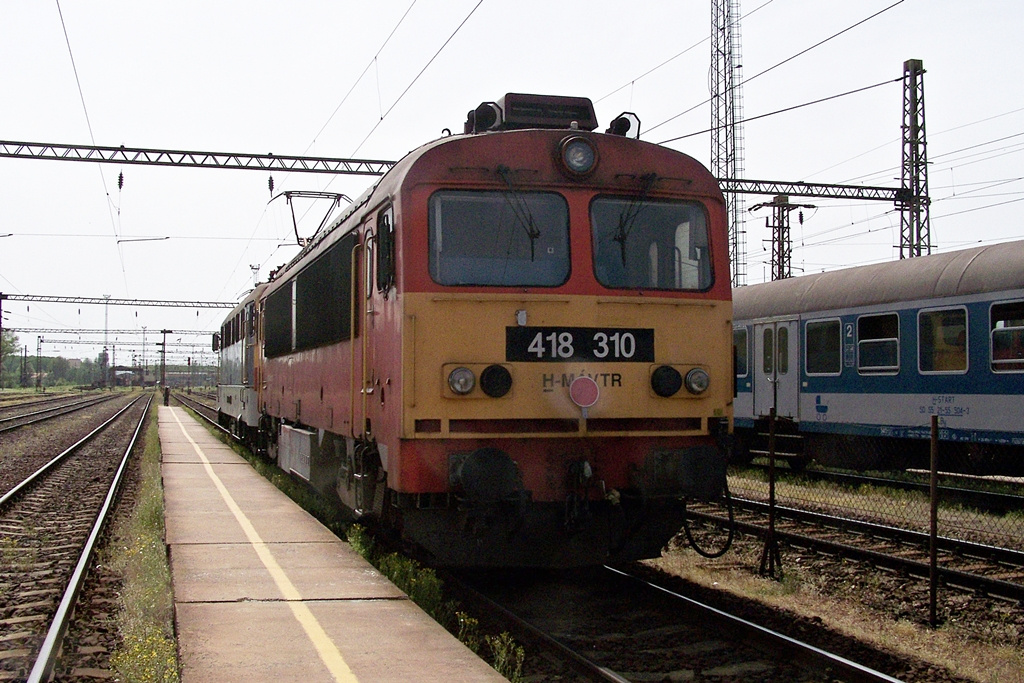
120	180
270	184
800	215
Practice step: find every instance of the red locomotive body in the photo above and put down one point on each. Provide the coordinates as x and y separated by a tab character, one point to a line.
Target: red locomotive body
516	347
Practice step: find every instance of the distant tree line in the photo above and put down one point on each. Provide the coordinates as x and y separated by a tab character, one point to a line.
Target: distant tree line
20	369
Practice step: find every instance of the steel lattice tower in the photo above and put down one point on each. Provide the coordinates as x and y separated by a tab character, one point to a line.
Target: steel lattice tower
913	201
726	131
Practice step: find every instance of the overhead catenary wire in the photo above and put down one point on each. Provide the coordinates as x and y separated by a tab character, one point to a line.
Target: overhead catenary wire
344	99
88	123
789	109
895	141
784	61
677	55
408	87
417	76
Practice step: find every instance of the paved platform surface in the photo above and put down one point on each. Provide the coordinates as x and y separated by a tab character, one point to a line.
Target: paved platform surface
264	592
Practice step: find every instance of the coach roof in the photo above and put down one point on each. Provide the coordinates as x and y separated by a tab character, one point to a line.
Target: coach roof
990	268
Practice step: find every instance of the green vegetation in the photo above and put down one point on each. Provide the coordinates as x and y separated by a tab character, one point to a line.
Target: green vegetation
424	588
145	621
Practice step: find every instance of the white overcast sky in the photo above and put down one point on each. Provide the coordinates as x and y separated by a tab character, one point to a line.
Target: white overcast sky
258	77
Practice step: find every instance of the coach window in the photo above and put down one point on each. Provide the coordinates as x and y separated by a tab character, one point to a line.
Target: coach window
385	250
646	244
739	341
878	344
1006	327
783	344
942	340
823	347
509	238
768	354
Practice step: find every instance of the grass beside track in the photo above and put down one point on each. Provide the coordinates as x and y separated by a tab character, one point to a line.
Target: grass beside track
145	621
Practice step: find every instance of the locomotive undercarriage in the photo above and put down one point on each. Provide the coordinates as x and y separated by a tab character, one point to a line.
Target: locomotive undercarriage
490	519
539	534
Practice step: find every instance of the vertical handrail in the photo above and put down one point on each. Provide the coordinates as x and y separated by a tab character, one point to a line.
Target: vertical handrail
933	540
354	307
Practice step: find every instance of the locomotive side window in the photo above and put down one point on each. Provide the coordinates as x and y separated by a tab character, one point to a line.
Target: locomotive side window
1006	328
824	347
385	250
314	308
250	319
278	315
323	296
739	340
942	340
878	344
508	238
645	244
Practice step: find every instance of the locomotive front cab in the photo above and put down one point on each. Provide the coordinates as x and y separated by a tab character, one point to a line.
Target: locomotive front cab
566	347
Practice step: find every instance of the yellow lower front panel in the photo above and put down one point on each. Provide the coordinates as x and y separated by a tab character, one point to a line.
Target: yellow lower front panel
545	343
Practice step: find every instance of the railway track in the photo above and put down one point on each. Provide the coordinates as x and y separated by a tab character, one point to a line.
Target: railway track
16	402
36	414
995	571
205	410
607	625
994	502
49	526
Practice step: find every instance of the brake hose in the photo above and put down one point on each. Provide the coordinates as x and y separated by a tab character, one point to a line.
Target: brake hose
728	541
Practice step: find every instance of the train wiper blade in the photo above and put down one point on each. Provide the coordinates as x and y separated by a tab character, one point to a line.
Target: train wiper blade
520	209
628	217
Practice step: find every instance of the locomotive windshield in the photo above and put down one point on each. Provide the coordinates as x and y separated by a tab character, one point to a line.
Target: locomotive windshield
499	238
650	244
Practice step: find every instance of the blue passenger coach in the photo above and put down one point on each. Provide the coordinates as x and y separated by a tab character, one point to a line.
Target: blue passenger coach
858	360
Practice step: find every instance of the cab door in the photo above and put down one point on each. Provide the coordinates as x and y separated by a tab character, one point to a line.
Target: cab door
776	373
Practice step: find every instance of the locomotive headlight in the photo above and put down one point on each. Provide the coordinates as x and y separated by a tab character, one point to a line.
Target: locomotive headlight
578	155
461	380
697	381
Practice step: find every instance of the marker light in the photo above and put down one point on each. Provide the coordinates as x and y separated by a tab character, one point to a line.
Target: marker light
697	381
578	155
495	381
461	381
666	381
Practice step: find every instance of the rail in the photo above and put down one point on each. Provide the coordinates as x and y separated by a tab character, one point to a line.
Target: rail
48	654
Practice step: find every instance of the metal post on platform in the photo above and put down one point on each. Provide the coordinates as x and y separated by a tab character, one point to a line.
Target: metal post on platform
933	539
163	357
39	363
771	561
2	297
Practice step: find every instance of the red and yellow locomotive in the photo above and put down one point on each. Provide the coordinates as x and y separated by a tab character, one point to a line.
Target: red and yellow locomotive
516	347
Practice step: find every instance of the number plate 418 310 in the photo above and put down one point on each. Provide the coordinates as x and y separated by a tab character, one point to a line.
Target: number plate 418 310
584	344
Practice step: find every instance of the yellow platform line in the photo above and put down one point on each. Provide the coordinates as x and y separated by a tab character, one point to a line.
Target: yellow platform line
325	647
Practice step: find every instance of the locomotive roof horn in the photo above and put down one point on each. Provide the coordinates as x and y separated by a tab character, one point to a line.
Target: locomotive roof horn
518	110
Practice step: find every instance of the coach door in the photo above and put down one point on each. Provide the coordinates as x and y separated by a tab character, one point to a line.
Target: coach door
776	376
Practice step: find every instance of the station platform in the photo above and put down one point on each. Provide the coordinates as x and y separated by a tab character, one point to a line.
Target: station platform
264	592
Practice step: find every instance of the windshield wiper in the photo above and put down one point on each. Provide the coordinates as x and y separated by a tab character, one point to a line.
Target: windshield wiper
628	217
520	209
